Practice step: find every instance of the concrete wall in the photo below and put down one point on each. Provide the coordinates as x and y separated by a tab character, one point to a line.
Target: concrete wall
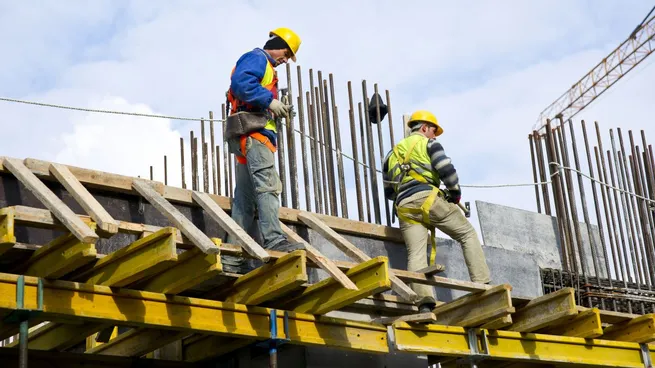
535	235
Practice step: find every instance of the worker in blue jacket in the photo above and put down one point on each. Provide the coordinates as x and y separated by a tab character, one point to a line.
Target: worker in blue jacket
254	88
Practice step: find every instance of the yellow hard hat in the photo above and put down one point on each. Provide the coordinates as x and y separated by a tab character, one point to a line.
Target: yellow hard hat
426	116
290	37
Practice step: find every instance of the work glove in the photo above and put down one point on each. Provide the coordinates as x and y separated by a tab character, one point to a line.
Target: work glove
280	109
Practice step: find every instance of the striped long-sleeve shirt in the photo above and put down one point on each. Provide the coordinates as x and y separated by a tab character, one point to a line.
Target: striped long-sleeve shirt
441	164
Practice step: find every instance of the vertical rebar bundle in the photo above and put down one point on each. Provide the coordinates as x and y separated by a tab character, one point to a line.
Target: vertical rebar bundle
608	254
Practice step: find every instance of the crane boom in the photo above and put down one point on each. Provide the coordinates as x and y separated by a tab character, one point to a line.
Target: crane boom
613	67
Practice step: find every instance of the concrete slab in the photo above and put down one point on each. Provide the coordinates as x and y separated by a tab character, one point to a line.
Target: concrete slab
536	235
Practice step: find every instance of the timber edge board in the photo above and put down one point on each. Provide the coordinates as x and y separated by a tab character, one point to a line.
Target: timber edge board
122	184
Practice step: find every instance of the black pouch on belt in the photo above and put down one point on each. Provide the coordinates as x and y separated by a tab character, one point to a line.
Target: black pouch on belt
244	122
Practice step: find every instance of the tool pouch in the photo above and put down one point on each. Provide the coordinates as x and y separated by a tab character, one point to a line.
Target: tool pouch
243	123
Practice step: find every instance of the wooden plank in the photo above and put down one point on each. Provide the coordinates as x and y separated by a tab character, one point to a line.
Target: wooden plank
611	317
476	309
192	268
229	225
640	330
123	184
584	324
371	277
272	280
320	260
137	342
61	256
51	201
141	259
545	311
36	217
104	220
431	270
176	217
58	336
353	252
203	347
91	178
409	318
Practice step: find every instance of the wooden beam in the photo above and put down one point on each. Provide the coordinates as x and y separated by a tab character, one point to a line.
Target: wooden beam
123	184
320	260
476	309
199	348
371	277
61	256
409	318
175	216
431	270
36	217
545	311
584	324
353	252
141	259
192	268
640	330
59	336
229	225
104	220
51	201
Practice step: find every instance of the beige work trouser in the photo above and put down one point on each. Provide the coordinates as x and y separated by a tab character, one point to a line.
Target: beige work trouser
448	218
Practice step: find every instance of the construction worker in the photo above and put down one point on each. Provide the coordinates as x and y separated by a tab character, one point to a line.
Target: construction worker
254	88
413	171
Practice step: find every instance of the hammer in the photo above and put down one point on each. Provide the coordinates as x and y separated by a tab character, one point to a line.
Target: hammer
466	207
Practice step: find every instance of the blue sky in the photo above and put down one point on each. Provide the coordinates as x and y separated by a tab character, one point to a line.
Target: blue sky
486	69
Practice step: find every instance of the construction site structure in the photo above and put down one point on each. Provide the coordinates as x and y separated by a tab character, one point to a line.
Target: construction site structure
107	270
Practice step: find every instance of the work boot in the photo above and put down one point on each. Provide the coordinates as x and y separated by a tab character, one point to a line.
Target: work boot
232	264
287	246
426	304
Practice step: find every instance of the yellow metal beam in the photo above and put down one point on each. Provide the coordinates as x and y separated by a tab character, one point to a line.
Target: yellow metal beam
585	324
519	347
476	308
640	329
144	257
371	277
61	256
545	311
102	304
272	280
7	237
192	268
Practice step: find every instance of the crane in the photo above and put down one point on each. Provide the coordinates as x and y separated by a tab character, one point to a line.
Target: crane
630	53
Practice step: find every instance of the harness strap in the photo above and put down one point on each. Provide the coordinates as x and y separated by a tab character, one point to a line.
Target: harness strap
258	136
424	210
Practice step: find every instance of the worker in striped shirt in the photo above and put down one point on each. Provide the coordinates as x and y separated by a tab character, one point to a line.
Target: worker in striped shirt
413	171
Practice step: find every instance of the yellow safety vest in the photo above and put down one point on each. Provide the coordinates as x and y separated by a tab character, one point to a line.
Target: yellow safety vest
410	161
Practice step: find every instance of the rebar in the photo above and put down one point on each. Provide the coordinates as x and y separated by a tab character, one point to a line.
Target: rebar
303	141
165	171
389	118
313	146
324	174
542	171
291	141
214	158
371	156
218	169
378	121
182	162
327	142
355	151
534	172
362	132
337	141
205	160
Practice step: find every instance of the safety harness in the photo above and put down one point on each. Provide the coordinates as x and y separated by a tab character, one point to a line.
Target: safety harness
409	167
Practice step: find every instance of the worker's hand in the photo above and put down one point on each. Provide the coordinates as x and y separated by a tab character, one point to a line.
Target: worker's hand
454	198
280	109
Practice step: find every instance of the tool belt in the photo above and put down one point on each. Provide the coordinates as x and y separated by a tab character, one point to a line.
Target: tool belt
244	122
424	210
257	136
